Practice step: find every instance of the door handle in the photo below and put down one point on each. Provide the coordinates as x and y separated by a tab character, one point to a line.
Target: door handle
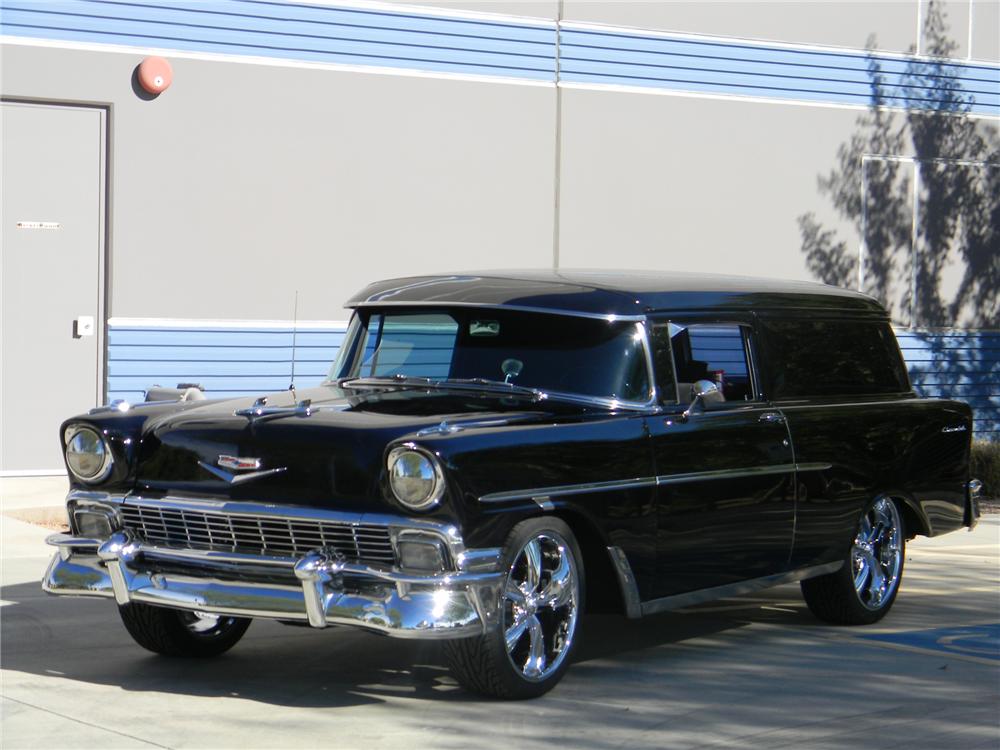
773	417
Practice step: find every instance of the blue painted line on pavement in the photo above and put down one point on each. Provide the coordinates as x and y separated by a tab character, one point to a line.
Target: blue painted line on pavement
982	641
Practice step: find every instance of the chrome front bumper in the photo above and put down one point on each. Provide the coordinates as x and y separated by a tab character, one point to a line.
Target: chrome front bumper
317	588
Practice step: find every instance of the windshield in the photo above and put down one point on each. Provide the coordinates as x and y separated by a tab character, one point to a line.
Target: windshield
555	353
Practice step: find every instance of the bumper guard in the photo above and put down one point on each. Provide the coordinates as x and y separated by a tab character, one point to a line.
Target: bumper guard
329	590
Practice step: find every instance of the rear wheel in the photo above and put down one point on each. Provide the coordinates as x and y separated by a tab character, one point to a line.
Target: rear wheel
174	632
864	589
540	607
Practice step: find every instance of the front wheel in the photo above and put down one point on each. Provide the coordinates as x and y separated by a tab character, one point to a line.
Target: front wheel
540	606
174	632
863	590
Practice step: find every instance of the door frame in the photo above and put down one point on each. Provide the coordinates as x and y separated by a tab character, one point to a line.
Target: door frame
105	166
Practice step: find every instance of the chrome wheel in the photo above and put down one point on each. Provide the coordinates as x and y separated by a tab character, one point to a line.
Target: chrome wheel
205	624
877	554
541	601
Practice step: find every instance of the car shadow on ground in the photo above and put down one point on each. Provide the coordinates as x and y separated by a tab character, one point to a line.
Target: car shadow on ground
83	639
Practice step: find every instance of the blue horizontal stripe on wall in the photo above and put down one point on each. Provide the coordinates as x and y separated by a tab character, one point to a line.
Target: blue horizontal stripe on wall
296	32
685	64
226	362
230	362
959	365
441	43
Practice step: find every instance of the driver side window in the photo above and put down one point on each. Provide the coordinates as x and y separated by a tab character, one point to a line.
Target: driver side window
718	352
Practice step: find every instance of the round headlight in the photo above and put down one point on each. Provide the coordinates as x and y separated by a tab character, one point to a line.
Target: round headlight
87	455
415	477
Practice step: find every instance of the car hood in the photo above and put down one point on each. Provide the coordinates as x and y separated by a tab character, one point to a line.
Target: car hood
329	454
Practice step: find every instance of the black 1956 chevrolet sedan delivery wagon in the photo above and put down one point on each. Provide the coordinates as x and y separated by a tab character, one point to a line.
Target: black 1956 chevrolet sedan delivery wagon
493	453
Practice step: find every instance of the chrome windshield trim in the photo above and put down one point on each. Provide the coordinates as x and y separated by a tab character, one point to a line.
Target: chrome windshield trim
609	317
647	348
544	493
538	394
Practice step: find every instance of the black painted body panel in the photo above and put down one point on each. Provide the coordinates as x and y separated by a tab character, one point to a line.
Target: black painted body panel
713	531
679	536
894	447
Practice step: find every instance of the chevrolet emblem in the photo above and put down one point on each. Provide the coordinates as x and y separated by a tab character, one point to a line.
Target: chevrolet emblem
239	463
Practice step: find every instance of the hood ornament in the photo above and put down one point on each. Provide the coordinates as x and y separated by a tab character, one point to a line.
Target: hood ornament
261	409
239	463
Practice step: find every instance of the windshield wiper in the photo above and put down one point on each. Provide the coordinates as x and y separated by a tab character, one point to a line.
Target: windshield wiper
397	379
537	393
456	383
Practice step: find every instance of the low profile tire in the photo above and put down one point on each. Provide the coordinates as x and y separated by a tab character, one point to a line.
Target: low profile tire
863	590
540	607
174	632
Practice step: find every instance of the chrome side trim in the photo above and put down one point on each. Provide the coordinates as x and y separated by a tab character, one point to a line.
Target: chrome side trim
609	317
755	471
626	581
542	494
815	466
545	493
736	589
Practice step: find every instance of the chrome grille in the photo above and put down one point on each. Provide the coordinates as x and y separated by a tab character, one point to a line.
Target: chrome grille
257	535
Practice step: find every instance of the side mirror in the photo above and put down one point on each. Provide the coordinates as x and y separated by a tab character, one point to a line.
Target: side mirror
702	392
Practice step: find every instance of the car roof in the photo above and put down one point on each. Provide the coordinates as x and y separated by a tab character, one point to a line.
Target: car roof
623	294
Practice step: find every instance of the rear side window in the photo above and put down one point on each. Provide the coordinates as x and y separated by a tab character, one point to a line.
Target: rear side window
832	358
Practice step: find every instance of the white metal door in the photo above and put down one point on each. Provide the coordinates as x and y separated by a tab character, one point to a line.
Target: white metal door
51	277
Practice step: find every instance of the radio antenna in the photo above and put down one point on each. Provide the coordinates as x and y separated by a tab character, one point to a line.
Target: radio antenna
295	330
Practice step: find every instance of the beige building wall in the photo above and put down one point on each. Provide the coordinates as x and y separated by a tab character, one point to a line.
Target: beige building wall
244	183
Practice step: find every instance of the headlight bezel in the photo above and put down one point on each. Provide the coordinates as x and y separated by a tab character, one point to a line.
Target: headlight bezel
107	459
432	498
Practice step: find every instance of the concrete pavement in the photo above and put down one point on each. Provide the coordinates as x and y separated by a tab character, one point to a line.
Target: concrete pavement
754	671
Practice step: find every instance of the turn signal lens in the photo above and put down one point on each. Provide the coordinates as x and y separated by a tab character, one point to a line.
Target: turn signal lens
426	557
415	477
92	524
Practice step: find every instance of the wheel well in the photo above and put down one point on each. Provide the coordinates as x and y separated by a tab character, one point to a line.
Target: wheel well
913	522
604	594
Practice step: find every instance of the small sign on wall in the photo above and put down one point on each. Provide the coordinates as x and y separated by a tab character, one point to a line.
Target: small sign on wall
38	225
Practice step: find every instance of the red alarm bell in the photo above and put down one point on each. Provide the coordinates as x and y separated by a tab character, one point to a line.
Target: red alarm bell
155	75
